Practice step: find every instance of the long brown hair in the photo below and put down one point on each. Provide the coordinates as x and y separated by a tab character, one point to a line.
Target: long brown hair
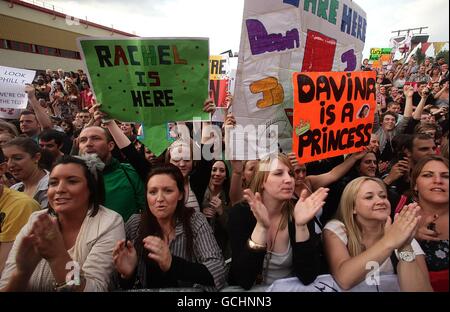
419	167
149	224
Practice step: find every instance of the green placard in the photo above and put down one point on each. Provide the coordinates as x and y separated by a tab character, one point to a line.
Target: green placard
149	80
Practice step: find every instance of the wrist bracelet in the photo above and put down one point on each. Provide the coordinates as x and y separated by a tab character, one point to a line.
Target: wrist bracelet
255	246
68	285
63	287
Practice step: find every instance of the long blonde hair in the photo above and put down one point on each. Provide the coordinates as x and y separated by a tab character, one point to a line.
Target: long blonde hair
345	213
260	177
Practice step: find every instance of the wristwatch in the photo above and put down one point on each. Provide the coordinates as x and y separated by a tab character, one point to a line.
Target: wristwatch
407	254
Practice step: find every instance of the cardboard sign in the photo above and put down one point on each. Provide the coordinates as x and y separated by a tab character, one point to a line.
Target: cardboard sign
219	76
12	86
9	113
380	56
282	37
333	113
149	80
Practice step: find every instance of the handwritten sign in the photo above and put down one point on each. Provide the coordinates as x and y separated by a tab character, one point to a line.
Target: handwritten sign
380	56
333	113
282	37
12	85
219	77
9	113
149	80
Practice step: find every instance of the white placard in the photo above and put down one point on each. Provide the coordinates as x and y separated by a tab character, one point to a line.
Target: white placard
9	113
12	85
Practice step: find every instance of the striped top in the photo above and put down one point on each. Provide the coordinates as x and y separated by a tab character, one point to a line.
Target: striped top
191	200
206	251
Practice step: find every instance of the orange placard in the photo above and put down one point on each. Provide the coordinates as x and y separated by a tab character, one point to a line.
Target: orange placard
386	59
376	64
333	113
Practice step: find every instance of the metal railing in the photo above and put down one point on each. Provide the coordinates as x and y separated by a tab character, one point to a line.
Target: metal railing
45	5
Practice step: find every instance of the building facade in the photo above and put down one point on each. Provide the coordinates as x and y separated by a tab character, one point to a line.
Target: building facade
39	37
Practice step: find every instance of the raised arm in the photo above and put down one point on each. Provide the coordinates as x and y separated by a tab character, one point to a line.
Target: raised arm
336	173
236	181
41	115
376	120
137	160
349	271
236	167
409	92
398	72
419	109
443	90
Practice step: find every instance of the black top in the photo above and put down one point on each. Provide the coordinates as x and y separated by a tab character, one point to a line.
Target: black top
137	160
323	166
247	264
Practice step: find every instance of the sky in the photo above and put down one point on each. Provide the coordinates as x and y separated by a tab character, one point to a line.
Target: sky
221	21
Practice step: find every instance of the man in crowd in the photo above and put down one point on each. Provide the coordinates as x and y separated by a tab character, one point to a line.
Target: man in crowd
52	141
124	191
32	122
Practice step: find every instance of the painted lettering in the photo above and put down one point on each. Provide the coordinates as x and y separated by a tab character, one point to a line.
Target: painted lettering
349	57
261	41
295	3
131	50
322	9
103	55
137	55
310	3
161	98
353	24
326	87
119	55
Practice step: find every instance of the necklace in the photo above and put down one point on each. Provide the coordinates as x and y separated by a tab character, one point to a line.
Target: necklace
268	255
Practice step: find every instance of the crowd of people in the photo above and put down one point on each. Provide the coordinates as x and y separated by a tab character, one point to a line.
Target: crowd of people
86	206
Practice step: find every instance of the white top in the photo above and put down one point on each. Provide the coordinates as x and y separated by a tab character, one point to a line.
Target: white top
338	228
92	250
280	265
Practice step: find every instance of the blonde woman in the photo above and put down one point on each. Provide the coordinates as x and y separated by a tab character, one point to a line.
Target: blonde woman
363	233
272	237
